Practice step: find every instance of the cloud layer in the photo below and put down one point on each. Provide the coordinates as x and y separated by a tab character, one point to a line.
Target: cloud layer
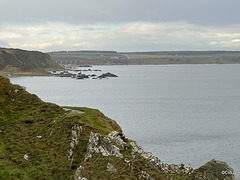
135	25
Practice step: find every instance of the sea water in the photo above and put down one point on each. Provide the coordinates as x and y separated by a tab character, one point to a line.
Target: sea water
182	113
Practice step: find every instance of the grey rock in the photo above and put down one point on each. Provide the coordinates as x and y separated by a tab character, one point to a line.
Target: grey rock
103	145
25	157
117	137
136	149
73	111
217	170
78	173
154	162
16	90
65	74
144	175
75	135
82	76
108	74
127	162
111	169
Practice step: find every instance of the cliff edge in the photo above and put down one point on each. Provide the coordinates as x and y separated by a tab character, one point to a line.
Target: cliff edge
40	140
17	61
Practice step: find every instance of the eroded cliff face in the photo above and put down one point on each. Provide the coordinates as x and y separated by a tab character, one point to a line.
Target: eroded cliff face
116	154
41	140
15	60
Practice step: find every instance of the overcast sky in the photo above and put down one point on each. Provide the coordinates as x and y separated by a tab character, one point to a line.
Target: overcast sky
121	25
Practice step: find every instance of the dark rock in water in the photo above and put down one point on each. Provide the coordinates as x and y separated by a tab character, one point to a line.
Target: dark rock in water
73	76
81	76
215	169
93	75
87	70
108	74
84	66
65	74
97	70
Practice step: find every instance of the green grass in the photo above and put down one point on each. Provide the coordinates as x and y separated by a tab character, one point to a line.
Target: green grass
221	58
23	117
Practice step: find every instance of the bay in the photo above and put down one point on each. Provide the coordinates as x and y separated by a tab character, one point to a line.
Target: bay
182	113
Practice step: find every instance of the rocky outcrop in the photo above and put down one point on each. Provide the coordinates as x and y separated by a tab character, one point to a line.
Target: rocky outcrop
103	145
111	169
81	76
144	175
111	145
65	74
73	111
154	162
119	138
75	135
217	170
78	173
106	75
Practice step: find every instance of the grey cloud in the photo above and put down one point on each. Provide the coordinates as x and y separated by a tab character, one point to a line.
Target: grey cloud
216	12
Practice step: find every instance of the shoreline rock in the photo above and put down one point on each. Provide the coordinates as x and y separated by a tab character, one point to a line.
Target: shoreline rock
106	75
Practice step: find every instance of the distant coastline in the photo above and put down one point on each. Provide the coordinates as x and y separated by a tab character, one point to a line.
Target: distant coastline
84	58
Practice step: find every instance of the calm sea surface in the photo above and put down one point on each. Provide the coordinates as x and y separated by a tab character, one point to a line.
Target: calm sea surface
182	113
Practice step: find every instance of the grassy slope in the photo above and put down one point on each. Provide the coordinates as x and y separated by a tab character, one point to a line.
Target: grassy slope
21	62
191	58
24	116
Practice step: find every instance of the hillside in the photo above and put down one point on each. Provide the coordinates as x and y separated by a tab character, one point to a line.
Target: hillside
186	57
41	140
17	61
145	58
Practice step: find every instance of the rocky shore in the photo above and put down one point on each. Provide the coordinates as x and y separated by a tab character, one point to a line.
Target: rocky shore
81	74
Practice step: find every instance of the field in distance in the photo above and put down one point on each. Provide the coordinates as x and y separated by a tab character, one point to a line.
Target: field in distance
145	58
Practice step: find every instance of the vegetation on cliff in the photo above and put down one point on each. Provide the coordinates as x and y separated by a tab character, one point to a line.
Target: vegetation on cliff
17	61
40	140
